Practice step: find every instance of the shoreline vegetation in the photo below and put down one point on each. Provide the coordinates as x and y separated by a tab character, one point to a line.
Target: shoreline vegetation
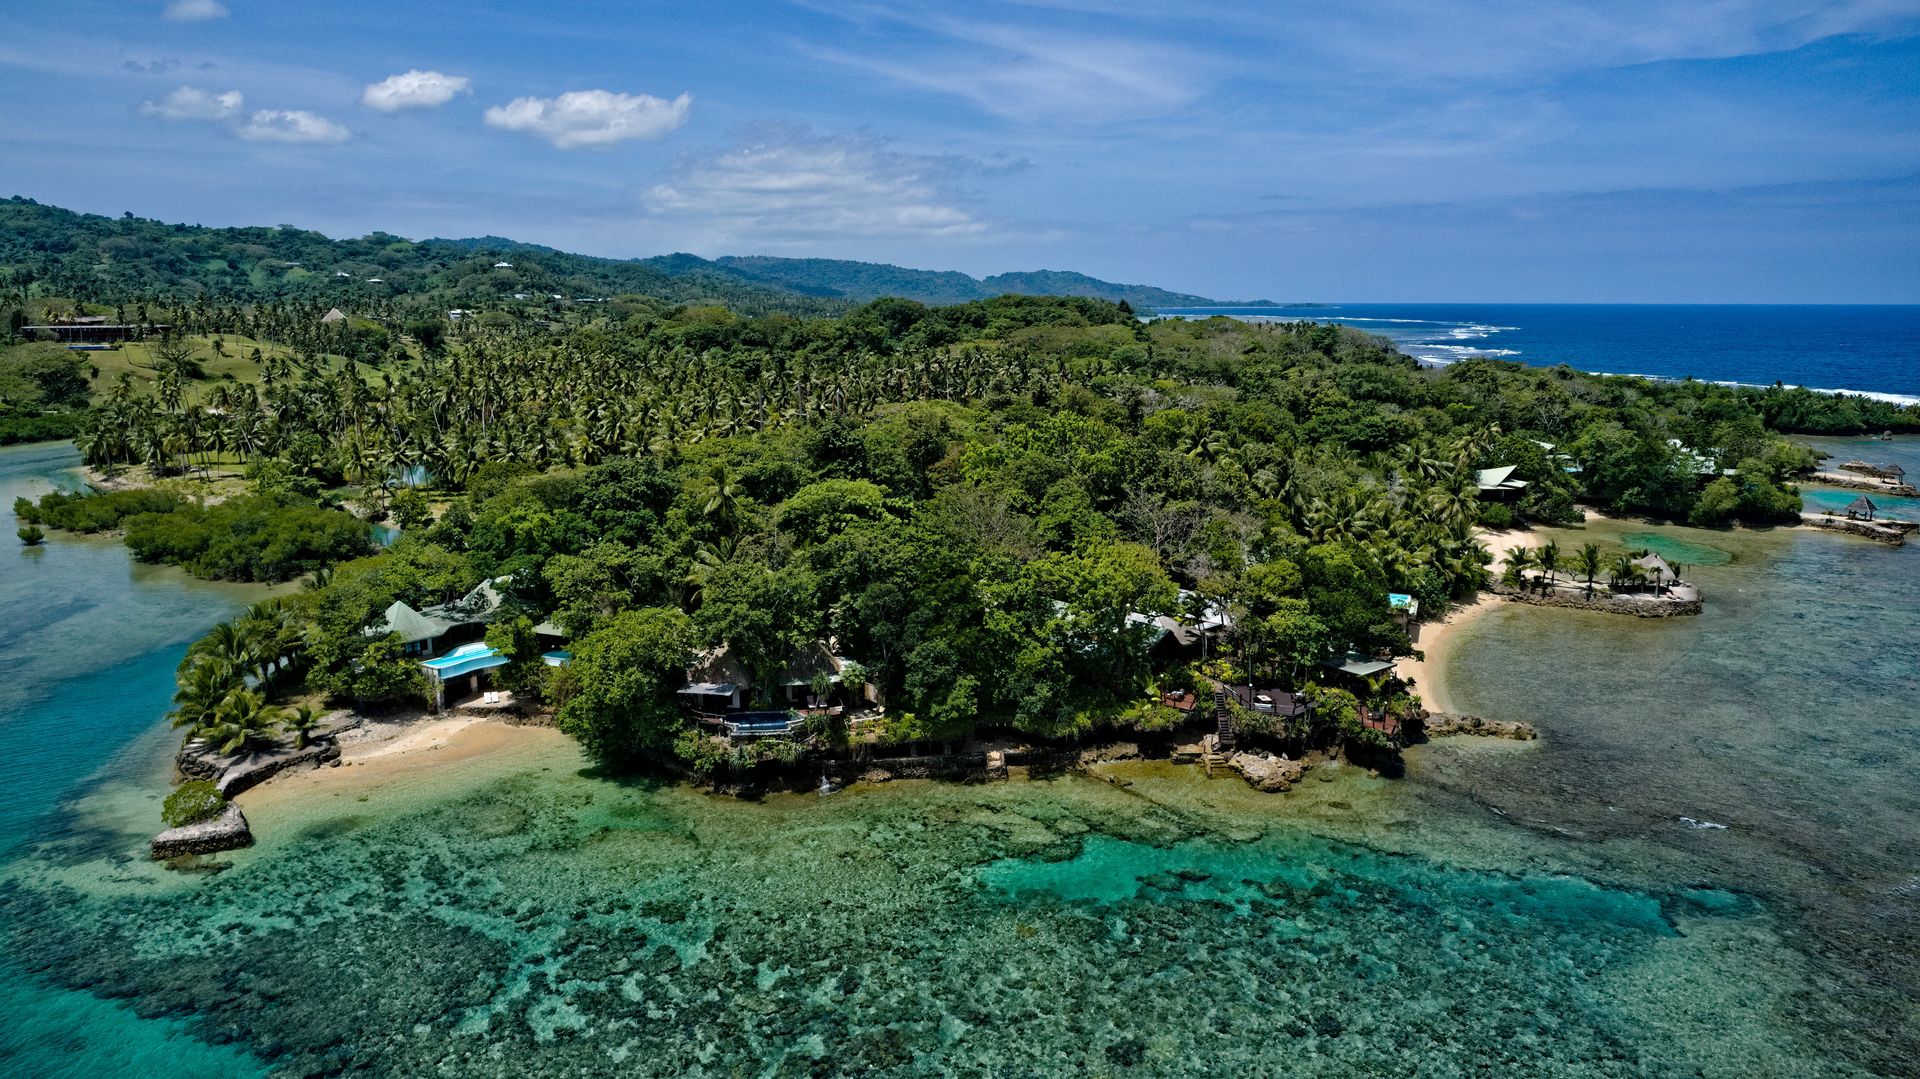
744	546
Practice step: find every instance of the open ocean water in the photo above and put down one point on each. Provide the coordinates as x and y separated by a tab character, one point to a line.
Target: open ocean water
1865	349
1706	867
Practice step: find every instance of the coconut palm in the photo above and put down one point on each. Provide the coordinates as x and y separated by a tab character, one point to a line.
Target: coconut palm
721	498
301	722
1589	563
1519	561
1548	559
242	719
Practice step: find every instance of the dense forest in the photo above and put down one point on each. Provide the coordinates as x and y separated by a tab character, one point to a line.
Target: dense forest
48	251
990	510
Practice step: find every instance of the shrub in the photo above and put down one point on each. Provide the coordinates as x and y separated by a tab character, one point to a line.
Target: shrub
192	802
1496	515
31	535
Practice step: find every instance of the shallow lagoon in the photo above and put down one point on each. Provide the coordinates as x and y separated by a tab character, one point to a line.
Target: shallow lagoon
1510	908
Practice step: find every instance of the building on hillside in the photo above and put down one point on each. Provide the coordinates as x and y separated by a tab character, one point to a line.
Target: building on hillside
333	315
721	695
1405	608
92	330
1562	461
1700	464
553	643
1359	665
430	630
503	265
1498	485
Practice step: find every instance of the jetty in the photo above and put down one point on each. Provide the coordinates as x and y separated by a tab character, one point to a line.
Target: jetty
1897	488
1887	530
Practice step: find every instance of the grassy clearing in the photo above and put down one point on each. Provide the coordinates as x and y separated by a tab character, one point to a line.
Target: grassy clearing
136	359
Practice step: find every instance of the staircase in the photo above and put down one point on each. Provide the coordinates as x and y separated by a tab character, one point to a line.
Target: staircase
1223	722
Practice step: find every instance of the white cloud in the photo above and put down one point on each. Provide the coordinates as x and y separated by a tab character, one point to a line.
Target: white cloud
591	117
796	186
196	10
193	103
291	125
414	90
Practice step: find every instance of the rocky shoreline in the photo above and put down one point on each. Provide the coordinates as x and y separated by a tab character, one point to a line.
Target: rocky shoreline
1877	531
1637	606
228	831
1443	724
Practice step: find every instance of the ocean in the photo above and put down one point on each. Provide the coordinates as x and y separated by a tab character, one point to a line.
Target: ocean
1705	867
1873	350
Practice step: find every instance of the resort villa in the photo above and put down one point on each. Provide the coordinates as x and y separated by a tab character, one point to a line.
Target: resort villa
1498	484
720	693
446	638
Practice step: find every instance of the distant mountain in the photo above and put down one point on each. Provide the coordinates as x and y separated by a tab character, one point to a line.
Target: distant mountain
869	281
88	256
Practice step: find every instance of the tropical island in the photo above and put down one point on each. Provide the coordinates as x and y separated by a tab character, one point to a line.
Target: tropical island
747	543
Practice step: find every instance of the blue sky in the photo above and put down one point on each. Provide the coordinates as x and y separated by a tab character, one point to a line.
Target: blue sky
1710	151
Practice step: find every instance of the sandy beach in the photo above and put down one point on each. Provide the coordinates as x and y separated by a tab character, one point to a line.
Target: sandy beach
1436	639
383	753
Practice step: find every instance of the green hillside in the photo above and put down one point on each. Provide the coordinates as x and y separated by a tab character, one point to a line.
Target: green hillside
48	251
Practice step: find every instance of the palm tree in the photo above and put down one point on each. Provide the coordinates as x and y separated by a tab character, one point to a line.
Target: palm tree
301	723
203	686
1622	572
721	499
1548	560
240	720
1589	563
1519	561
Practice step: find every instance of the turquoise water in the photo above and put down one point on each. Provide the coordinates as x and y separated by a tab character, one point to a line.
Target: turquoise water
86	667
1510	909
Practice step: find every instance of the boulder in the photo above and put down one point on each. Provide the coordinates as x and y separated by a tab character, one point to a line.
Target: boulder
228	831
1267	772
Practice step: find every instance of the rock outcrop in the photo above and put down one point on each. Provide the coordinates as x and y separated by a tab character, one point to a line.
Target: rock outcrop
201	760
228	831
1439	724
1267	772
1638	606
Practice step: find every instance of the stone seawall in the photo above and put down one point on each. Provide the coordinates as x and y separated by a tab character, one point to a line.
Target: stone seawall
1638	606
201	760
1879	533
228	831
1863	483
1442	724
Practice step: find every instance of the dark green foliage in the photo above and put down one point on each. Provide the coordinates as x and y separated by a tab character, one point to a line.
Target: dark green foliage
45	427
41	376
103	512
621	685
253	538
191	802
31	535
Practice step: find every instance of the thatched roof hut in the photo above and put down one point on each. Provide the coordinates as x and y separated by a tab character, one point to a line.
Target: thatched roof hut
1862	509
